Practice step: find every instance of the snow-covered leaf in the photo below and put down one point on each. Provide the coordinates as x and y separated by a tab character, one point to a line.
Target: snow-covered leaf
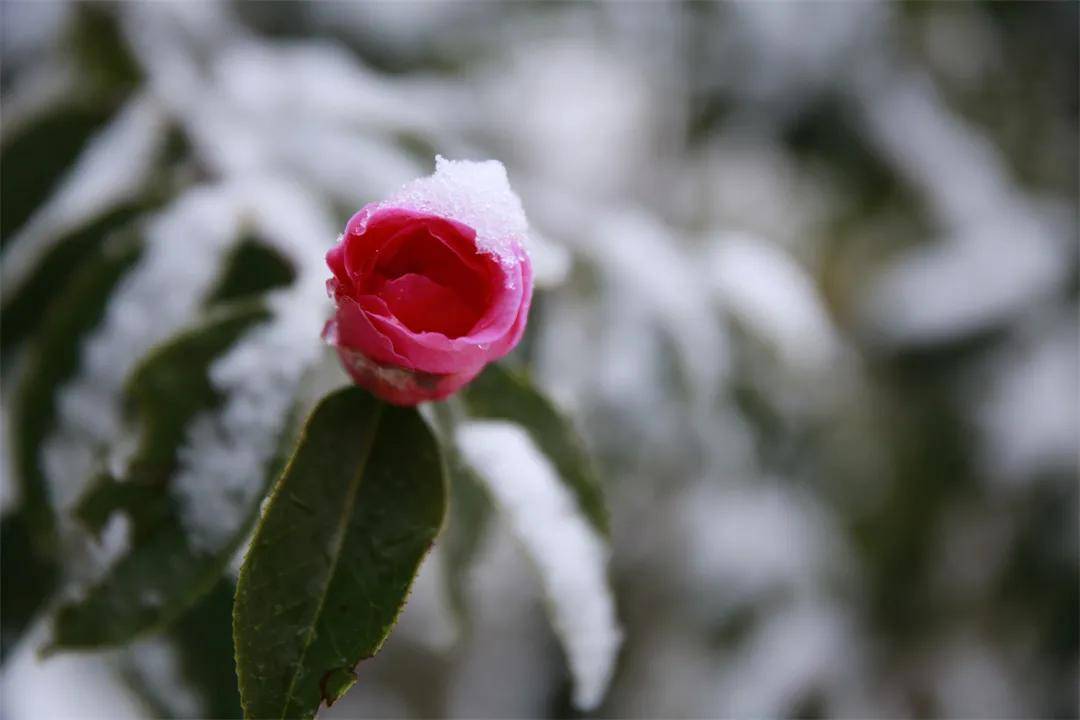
164	571
36	158
25	308
52	360
568	551
501	394
766	289
120	164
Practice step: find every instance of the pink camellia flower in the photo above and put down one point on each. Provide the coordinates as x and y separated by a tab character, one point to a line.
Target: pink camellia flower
431	284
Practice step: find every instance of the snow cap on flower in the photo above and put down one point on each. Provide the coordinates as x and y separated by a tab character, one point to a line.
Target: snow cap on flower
432	283
474	193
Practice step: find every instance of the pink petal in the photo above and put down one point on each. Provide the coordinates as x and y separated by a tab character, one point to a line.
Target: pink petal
424	305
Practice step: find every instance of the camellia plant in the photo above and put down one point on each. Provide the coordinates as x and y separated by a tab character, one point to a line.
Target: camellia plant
430	286
180	463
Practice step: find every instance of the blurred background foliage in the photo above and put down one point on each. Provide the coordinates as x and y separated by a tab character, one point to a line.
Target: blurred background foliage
809	285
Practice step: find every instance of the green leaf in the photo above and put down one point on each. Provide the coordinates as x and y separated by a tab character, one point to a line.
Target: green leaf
201	644
500	394
207	660
22	312
204	639
27	580
26	304
162	574
253	267
53	359
33	160
335	553
104	59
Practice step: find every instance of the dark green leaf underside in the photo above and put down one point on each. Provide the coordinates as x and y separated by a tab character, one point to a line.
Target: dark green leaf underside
162	574
340	541
498	393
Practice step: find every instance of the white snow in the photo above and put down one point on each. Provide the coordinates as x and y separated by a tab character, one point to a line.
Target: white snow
157	664
66	685
477	194
551	261
499	671
428	619
974	678
319	80
746	540
807	646
568	553
226	454
183	256
574	113
767	289
1027	409
1000	251
115	542
644	263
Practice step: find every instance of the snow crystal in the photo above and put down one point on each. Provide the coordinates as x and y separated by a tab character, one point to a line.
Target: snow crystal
569	554
477	194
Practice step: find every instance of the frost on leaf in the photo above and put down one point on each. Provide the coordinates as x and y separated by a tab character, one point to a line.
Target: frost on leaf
569	554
